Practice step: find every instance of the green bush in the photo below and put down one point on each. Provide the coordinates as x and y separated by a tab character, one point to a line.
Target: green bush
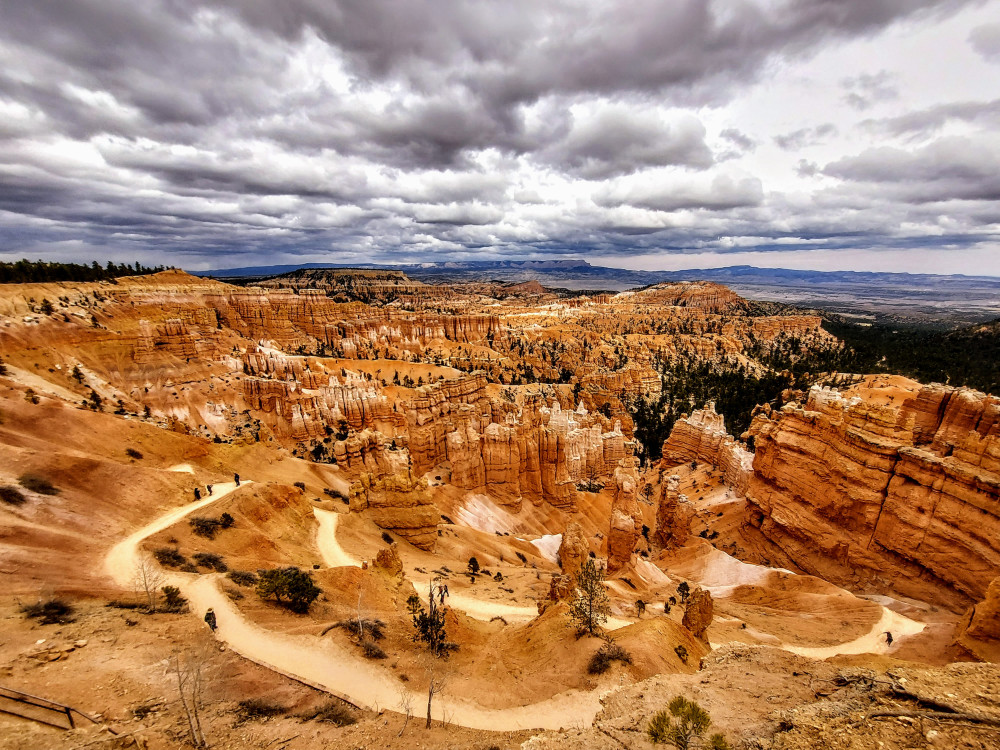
333	712
682	722
37	483
49	611
169	556
172	599
610	652
242	577
257	709
206	527
290	587
210	560
371	650
12	495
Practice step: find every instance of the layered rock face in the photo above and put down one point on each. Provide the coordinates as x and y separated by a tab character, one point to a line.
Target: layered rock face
536	452
878	495
979	633
573	549
698	612
673	515
400	503
626	515
703	437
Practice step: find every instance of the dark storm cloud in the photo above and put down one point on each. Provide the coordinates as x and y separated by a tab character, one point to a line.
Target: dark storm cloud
296	127
952	168
616	140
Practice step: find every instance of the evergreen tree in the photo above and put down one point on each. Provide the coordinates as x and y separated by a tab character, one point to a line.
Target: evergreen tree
591	605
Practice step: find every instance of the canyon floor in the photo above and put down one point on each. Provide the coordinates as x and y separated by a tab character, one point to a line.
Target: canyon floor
793	652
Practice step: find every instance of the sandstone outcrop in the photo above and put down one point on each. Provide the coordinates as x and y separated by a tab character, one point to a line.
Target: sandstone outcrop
979	632
387	560
573	549
698	612
400	503
673	515
703	437
871	493
626	515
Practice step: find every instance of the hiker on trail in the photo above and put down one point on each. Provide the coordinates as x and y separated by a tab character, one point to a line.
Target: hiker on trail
197	494
446	590
888	638
209	488
210	618
640	607
441	594
236	478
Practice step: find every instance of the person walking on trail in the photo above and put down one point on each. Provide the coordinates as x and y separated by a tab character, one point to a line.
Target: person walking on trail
236	478
209	488
888	638
210	618
197	493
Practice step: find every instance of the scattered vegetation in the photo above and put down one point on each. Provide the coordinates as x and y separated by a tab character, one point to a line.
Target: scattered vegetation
169	557
53	611
429	624
371	650
172	599
602	659
683	722
12	495
290	587
133	453
387	537
333	712
361	628
257	709
473	566
210	560
242	578
682	652
27	272
37	483
208	527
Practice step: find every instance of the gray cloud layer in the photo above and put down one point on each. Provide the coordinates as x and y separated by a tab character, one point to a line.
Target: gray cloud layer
404	130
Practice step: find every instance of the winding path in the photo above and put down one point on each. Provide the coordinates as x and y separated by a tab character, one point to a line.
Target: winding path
323	663
328	666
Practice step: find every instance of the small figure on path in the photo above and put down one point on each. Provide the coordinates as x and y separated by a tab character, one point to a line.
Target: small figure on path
446	590
640	607
197	494
888	638
209	488
210	618
236	478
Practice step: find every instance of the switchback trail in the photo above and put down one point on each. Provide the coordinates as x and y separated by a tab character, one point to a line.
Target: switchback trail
323	663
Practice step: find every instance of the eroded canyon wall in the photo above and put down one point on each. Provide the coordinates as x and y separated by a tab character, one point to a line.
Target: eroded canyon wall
901	496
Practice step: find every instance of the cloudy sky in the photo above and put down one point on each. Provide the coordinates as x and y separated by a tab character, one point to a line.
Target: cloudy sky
827	134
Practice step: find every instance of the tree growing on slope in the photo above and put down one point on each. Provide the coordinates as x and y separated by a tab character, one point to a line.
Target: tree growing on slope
682	723
591	605
290	587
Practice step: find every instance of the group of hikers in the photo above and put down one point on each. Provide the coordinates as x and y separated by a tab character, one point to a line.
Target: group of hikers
208	487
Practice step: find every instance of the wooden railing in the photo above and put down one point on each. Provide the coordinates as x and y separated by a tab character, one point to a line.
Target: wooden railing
40	709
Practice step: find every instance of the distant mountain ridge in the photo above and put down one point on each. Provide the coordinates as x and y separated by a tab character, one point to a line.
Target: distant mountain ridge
947	299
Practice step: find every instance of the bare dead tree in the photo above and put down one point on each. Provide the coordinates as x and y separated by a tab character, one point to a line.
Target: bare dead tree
147	578
187	671
405	707
435	684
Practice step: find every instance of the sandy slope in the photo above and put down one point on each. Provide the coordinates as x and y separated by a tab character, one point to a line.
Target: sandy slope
324	664
344	673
